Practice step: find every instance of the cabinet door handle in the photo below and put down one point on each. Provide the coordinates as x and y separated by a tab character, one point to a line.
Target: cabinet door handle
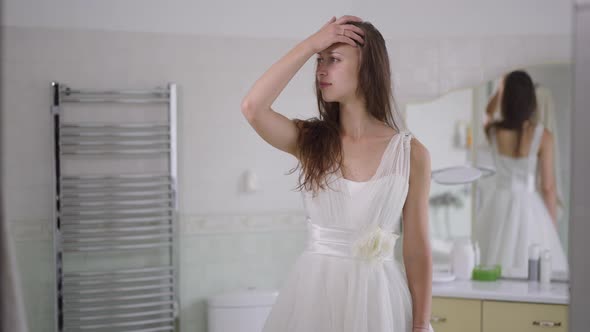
436	319
546	323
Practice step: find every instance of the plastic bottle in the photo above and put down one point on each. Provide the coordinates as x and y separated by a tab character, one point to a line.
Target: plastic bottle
534	262
477	253
545	275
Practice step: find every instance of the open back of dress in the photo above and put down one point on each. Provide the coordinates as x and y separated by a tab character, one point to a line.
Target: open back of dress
514	215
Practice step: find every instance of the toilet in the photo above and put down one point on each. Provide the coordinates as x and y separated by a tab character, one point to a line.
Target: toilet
240	311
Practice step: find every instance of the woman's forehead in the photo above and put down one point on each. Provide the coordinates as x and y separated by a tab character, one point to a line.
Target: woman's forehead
339	48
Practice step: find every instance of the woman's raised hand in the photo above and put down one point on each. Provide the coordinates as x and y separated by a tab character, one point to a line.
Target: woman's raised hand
337	31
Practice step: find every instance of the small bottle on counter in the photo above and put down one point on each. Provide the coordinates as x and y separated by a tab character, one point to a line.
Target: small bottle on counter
477	254
462	258
534	262
545	273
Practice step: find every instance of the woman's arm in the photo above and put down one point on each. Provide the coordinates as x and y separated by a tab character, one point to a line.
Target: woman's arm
492	106
548	189
417	253
275	128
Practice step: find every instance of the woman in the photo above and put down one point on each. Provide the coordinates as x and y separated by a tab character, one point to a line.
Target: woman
359	171
514	215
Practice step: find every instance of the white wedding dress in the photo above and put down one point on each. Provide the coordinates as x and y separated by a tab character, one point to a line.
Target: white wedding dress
513	214
347	279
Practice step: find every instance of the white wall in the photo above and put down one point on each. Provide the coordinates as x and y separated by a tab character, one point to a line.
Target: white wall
435	123
436	47
295	19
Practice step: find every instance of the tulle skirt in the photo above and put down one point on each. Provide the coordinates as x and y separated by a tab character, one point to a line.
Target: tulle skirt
324	293
508	222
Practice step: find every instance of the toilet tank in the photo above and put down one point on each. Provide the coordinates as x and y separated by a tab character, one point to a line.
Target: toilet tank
240	311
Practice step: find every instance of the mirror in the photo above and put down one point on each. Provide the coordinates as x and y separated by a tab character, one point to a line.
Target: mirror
492	209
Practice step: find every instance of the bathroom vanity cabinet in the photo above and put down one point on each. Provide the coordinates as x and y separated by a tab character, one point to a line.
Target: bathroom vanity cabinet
500	306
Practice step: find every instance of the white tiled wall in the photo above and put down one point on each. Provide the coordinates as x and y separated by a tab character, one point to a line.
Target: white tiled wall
225	253
221	229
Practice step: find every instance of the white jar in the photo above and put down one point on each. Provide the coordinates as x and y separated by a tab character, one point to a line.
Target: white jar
545	273
462	259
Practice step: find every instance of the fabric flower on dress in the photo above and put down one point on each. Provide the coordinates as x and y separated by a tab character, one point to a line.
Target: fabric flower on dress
376	244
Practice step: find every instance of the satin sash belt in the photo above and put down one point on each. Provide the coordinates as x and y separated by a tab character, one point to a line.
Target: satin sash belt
333	241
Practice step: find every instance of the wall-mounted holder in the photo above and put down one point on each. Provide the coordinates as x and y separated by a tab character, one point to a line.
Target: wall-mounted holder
461	174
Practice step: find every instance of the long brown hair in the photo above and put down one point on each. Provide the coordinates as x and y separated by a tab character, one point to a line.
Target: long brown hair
319	144
518	104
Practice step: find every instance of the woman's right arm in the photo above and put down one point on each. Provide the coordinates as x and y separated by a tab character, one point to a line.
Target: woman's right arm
273	127
548	189
491	109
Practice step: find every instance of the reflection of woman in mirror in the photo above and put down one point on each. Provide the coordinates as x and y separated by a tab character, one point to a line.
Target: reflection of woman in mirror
356	182
517	214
